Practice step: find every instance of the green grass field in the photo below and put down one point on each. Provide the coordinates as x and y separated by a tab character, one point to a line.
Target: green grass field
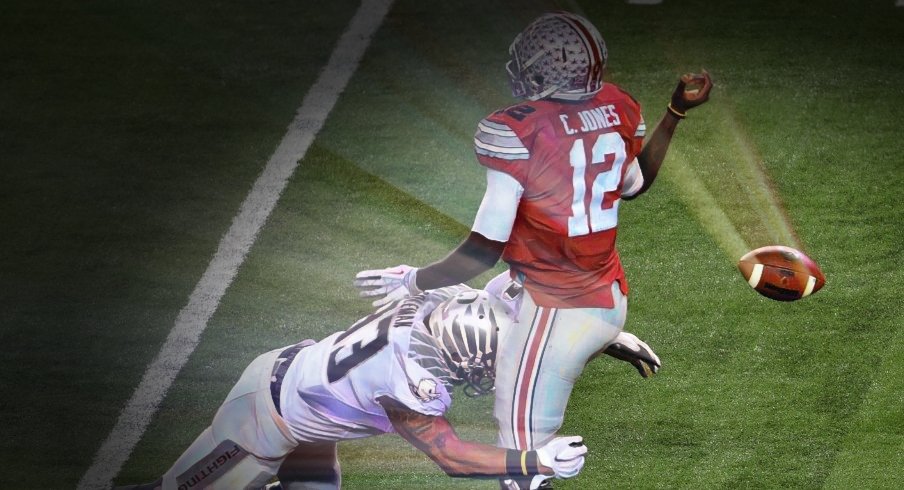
130	133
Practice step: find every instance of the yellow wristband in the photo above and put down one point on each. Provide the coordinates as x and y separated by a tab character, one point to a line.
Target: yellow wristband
676	112
521	463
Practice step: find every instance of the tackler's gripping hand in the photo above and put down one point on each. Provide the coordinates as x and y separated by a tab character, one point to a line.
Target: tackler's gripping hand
563	455
387	285
627	347
692	90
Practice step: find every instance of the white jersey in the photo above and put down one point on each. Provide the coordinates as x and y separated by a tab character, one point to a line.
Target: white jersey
330	390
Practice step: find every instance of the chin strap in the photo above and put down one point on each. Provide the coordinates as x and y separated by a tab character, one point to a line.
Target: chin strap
479	380
544	93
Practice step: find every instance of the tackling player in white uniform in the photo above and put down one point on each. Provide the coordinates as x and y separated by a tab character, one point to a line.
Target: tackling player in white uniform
316	462
389	372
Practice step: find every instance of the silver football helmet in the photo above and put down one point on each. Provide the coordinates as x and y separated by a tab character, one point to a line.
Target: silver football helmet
467	328
560	55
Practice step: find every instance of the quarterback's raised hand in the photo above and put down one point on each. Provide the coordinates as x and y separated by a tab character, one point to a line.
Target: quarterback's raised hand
692	90
387	285
563	455
627	347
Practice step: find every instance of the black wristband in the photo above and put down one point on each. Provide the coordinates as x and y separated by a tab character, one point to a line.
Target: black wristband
532	463
521	463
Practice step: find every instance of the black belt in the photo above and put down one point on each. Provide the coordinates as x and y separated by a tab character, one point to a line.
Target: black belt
282	365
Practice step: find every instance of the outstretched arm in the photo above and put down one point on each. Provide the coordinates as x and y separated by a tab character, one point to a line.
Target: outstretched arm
483	247
692	90
477	254
436	438
474	256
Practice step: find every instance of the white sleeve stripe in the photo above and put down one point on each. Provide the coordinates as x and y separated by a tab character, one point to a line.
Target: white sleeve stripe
633	179
494	125
500	141
500	149
503	156
483	127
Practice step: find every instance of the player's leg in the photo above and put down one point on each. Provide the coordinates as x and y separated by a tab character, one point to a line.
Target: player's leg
311	467
245	444
212	462
538	363
513	348
575	336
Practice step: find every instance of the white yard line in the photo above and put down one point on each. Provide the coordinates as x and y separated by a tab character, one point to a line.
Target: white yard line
234	246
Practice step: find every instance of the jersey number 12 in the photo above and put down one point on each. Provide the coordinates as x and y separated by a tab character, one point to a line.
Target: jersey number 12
606	160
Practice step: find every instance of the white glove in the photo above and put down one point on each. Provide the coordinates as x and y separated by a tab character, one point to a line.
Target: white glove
565	455
387	285
629	348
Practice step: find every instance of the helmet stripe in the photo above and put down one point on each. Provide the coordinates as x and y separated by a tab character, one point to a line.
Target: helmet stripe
471	337
592	46
595	42
449	344
458	334
494	325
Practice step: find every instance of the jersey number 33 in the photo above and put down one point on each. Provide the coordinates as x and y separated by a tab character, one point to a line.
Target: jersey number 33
358	344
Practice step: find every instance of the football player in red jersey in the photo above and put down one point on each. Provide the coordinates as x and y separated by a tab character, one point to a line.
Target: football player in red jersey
558	165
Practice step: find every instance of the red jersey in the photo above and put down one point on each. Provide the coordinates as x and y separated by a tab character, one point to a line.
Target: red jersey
571	159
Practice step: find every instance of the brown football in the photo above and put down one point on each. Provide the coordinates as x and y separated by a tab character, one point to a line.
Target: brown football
781	273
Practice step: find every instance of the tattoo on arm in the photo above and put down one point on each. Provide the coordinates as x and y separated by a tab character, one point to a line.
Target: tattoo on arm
424	431
439	441
436	438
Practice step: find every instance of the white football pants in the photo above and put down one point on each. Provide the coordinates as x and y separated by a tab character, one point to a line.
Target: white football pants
540	359
247	442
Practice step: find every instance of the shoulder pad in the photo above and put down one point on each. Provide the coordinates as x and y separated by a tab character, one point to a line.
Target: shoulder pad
494	138
517	112
625	93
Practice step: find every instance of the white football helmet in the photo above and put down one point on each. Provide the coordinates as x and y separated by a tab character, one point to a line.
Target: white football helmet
467	328
560	55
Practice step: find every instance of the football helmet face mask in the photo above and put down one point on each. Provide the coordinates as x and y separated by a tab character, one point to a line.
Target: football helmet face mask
467	328
560	55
